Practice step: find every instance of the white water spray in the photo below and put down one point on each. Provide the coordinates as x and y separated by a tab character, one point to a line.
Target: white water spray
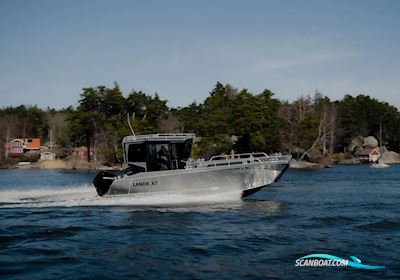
86	196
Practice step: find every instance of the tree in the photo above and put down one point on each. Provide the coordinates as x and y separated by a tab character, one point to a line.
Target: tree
88	118
363	116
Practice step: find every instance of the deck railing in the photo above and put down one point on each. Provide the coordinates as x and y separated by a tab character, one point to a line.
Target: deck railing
159	137
235	159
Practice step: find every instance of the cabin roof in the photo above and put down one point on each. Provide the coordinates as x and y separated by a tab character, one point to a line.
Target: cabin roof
167	137
32	143
47	153
368	151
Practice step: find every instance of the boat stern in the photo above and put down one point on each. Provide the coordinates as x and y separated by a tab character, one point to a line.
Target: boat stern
102	182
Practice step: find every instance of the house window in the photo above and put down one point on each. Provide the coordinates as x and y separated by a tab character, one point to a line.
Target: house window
16	143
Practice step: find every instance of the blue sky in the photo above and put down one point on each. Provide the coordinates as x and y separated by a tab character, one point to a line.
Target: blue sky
49	50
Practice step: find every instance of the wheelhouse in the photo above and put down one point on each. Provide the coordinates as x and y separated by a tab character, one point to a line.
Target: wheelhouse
157	152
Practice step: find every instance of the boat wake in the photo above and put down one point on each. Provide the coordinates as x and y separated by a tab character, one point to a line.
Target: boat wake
86	196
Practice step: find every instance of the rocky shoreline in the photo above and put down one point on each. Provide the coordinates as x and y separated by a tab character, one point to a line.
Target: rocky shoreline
85	166
63	165
357	152
301	164
387	157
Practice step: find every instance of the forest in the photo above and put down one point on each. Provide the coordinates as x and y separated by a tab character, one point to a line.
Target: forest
228	119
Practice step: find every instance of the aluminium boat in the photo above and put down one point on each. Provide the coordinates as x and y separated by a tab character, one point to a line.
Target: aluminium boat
160	163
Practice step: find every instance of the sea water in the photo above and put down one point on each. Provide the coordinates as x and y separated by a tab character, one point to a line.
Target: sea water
53	225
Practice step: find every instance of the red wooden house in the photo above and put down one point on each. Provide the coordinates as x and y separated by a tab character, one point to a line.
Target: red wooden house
20	146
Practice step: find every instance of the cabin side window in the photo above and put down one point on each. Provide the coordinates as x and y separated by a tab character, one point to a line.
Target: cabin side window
180	153
159	156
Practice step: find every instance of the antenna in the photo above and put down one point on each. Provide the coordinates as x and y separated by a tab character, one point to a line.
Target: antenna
130	126
51	138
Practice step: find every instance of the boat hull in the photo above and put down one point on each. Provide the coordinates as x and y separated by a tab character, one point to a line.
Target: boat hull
247	178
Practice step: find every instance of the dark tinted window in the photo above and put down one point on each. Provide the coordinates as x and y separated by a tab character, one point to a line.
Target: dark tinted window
137	153
184	150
